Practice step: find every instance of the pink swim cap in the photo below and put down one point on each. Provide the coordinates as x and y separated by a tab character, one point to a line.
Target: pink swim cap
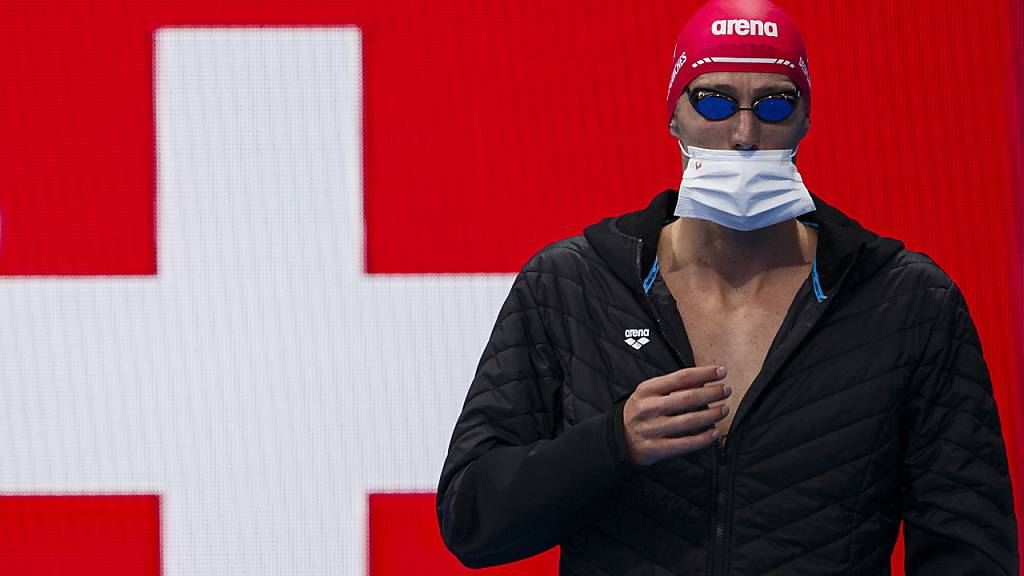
738	36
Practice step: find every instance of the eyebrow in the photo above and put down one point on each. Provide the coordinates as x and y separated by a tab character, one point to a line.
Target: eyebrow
729	89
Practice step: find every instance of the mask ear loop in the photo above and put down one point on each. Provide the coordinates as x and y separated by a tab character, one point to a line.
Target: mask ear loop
683	148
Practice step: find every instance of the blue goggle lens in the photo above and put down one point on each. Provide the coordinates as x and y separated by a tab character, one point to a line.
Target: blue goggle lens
774	109
715	107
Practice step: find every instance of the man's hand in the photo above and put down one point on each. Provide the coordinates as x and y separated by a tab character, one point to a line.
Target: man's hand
669	415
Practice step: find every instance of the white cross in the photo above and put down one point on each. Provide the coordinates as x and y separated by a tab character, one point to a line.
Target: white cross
261	383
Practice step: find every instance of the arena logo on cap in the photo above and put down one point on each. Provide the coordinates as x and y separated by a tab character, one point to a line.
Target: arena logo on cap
744	28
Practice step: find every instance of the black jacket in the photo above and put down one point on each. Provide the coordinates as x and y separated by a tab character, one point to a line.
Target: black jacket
873	406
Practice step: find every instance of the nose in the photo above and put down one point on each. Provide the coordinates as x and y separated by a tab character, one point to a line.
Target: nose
746	131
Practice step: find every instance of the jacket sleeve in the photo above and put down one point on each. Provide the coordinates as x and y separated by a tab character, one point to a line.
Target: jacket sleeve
957	503
514	482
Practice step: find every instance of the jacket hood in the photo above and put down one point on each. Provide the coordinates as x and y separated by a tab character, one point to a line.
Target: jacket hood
842	242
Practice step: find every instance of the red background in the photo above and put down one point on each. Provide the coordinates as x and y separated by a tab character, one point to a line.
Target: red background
492	129
84	535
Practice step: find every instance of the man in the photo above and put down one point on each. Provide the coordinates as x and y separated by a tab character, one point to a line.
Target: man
738	379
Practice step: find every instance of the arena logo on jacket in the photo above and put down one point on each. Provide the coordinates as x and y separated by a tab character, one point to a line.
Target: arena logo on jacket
637	337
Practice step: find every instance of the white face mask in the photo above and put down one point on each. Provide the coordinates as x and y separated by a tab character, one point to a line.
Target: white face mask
742	190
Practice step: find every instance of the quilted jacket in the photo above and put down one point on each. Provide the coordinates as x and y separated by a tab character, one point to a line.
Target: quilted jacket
873	406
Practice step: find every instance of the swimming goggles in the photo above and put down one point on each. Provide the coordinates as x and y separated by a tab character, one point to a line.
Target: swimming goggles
715	106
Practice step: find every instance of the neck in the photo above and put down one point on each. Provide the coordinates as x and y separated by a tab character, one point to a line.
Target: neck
709	255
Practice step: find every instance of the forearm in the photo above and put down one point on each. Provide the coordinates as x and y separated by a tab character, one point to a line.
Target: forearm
958	502
516	501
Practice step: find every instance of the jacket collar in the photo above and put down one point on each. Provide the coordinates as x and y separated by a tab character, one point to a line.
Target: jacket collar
842	242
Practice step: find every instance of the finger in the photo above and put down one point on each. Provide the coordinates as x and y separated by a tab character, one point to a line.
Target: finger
685	378
691	423
674	446
683	401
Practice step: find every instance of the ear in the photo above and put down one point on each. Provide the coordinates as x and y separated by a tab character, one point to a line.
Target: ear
673	128
805	126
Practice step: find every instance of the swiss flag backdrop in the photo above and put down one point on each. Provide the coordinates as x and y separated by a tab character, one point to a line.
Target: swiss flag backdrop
251	253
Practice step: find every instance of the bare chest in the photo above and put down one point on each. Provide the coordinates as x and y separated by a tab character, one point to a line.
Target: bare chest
737	336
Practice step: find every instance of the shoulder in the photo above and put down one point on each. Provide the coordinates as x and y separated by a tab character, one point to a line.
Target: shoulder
920	268
913	285
567	257
569	270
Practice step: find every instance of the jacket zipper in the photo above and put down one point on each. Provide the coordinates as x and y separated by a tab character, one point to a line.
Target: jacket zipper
720	486
716	554
650	304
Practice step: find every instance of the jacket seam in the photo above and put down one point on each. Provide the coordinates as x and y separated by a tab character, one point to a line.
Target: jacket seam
570	352
971	415
825	508
558	402
925	528
660	524
637	553
928	340
795	558
670	491
861	493
796	483
857	384
612	343
590	295
972	489
992	467
506	383
494	387
521	415
877	305
857	347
